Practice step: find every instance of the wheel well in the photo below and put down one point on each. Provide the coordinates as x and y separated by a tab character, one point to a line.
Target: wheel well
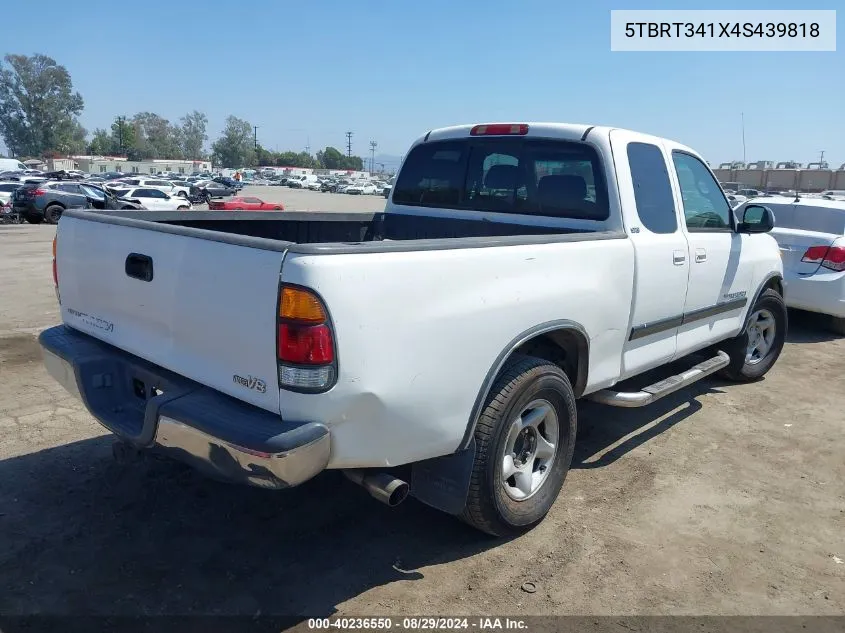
776	284
566	348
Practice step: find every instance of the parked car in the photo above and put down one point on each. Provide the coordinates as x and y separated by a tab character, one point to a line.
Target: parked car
231	183
619	255
215	189
6	189
329	186
154	199
166	186
11	164
47	201
244	203
811	235
361	188
386	191
315	185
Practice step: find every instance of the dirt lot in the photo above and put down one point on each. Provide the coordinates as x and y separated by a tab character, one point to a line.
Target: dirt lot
722	499
304	200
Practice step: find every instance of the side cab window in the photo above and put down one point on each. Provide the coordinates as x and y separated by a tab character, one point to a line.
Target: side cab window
705	205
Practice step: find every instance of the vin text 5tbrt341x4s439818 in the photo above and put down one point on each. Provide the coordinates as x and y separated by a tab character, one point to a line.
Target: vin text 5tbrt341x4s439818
516	268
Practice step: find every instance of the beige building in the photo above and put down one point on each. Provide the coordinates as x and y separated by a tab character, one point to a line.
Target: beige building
103	164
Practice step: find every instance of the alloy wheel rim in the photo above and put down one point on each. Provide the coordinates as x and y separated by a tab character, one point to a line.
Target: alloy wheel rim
761	336
530	449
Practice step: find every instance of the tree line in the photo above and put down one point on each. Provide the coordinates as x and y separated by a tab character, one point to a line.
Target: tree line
39	112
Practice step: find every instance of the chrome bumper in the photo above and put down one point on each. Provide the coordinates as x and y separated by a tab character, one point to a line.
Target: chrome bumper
284	455
239	464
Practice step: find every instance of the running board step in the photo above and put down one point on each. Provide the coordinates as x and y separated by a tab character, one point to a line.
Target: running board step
662	388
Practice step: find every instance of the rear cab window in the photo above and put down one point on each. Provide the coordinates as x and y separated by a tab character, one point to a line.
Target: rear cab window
506	175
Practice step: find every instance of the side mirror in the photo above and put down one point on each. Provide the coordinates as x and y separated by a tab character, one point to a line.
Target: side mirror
756	218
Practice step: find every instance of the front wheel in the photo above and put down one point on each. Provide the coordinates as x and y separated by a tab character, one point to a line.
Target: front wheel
755	350
525	438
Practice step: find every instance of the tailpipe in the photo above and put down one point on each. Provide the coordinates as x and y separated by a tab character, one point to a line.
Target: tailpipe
382	486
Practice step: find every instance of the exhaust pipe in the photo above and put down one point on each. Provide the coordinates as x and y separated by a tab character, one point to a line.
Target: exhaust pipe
386	488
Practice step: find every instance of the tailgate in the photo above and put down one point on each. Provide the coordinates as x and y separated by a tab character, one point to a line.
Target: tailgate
208	312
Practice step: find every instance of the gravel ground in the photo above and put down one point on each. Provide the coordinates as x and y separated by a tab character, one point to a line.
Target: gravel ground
720	499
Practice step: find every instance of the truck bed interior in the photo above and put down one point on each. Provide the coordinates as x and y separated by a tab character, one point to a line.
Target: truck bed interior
326	228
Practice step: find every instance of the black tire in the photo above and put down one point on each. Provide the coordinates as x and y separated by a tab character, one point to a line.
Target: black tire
489	507
53	213
837	325
34	219
740	368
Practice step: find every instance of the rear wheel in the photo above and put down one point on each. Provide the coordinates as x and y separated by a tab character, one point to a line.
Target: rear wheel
53	213
34	219
525	438
182	208
754	352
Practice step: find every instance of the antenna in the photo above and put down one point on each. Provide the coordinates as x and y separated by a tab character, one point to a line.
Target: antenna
349	144
255	136
742	114
373	146
308	146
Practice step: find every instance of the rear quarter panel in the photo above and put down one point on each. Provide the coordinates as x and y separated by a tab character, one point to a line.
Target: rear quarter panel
418	331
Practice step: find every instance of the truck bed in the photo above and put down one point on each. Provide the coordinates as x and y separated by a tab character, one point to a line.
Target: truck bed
333	228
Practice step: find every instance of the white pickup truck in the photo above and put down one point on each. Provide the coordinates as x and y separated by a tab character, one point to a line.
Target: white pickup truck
516	268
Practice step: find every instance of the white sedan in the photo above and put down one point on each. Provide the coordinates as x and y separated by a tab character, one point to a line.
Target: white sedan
154	199
811	236
362	188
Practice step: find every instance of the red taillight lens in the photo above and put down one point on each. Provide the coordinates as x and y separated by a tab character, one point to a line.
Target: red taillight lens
814	254
38	192
835	258
305	344
500	129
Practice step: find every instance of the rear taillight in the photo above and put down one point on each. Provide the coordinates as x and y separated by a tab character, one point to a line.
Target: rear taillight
38	192
500	129
306	355
835	258
830	257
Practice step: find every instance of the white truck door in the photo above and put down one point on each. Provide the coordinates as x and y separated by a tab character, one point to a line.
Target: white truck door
720	270
660	250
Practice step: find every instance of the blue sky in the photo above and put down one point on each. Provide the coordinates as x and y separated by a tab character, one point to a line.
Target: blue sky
390	71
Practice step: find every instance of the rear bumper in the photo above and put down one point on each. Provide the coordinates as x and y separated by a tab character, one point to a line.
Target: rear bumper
822	292
151	407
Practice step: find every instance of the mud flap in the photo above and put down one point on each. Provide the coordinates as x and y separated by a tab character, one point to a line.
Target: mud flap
443	482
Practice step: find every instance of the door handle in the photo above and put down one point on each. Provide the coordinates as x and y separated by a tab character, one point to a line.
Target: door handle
678	258
139	266
700	255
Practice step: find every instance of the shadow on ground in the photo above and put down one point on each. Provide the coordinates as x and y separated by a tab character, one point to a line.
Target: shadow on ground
810	327
82	534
